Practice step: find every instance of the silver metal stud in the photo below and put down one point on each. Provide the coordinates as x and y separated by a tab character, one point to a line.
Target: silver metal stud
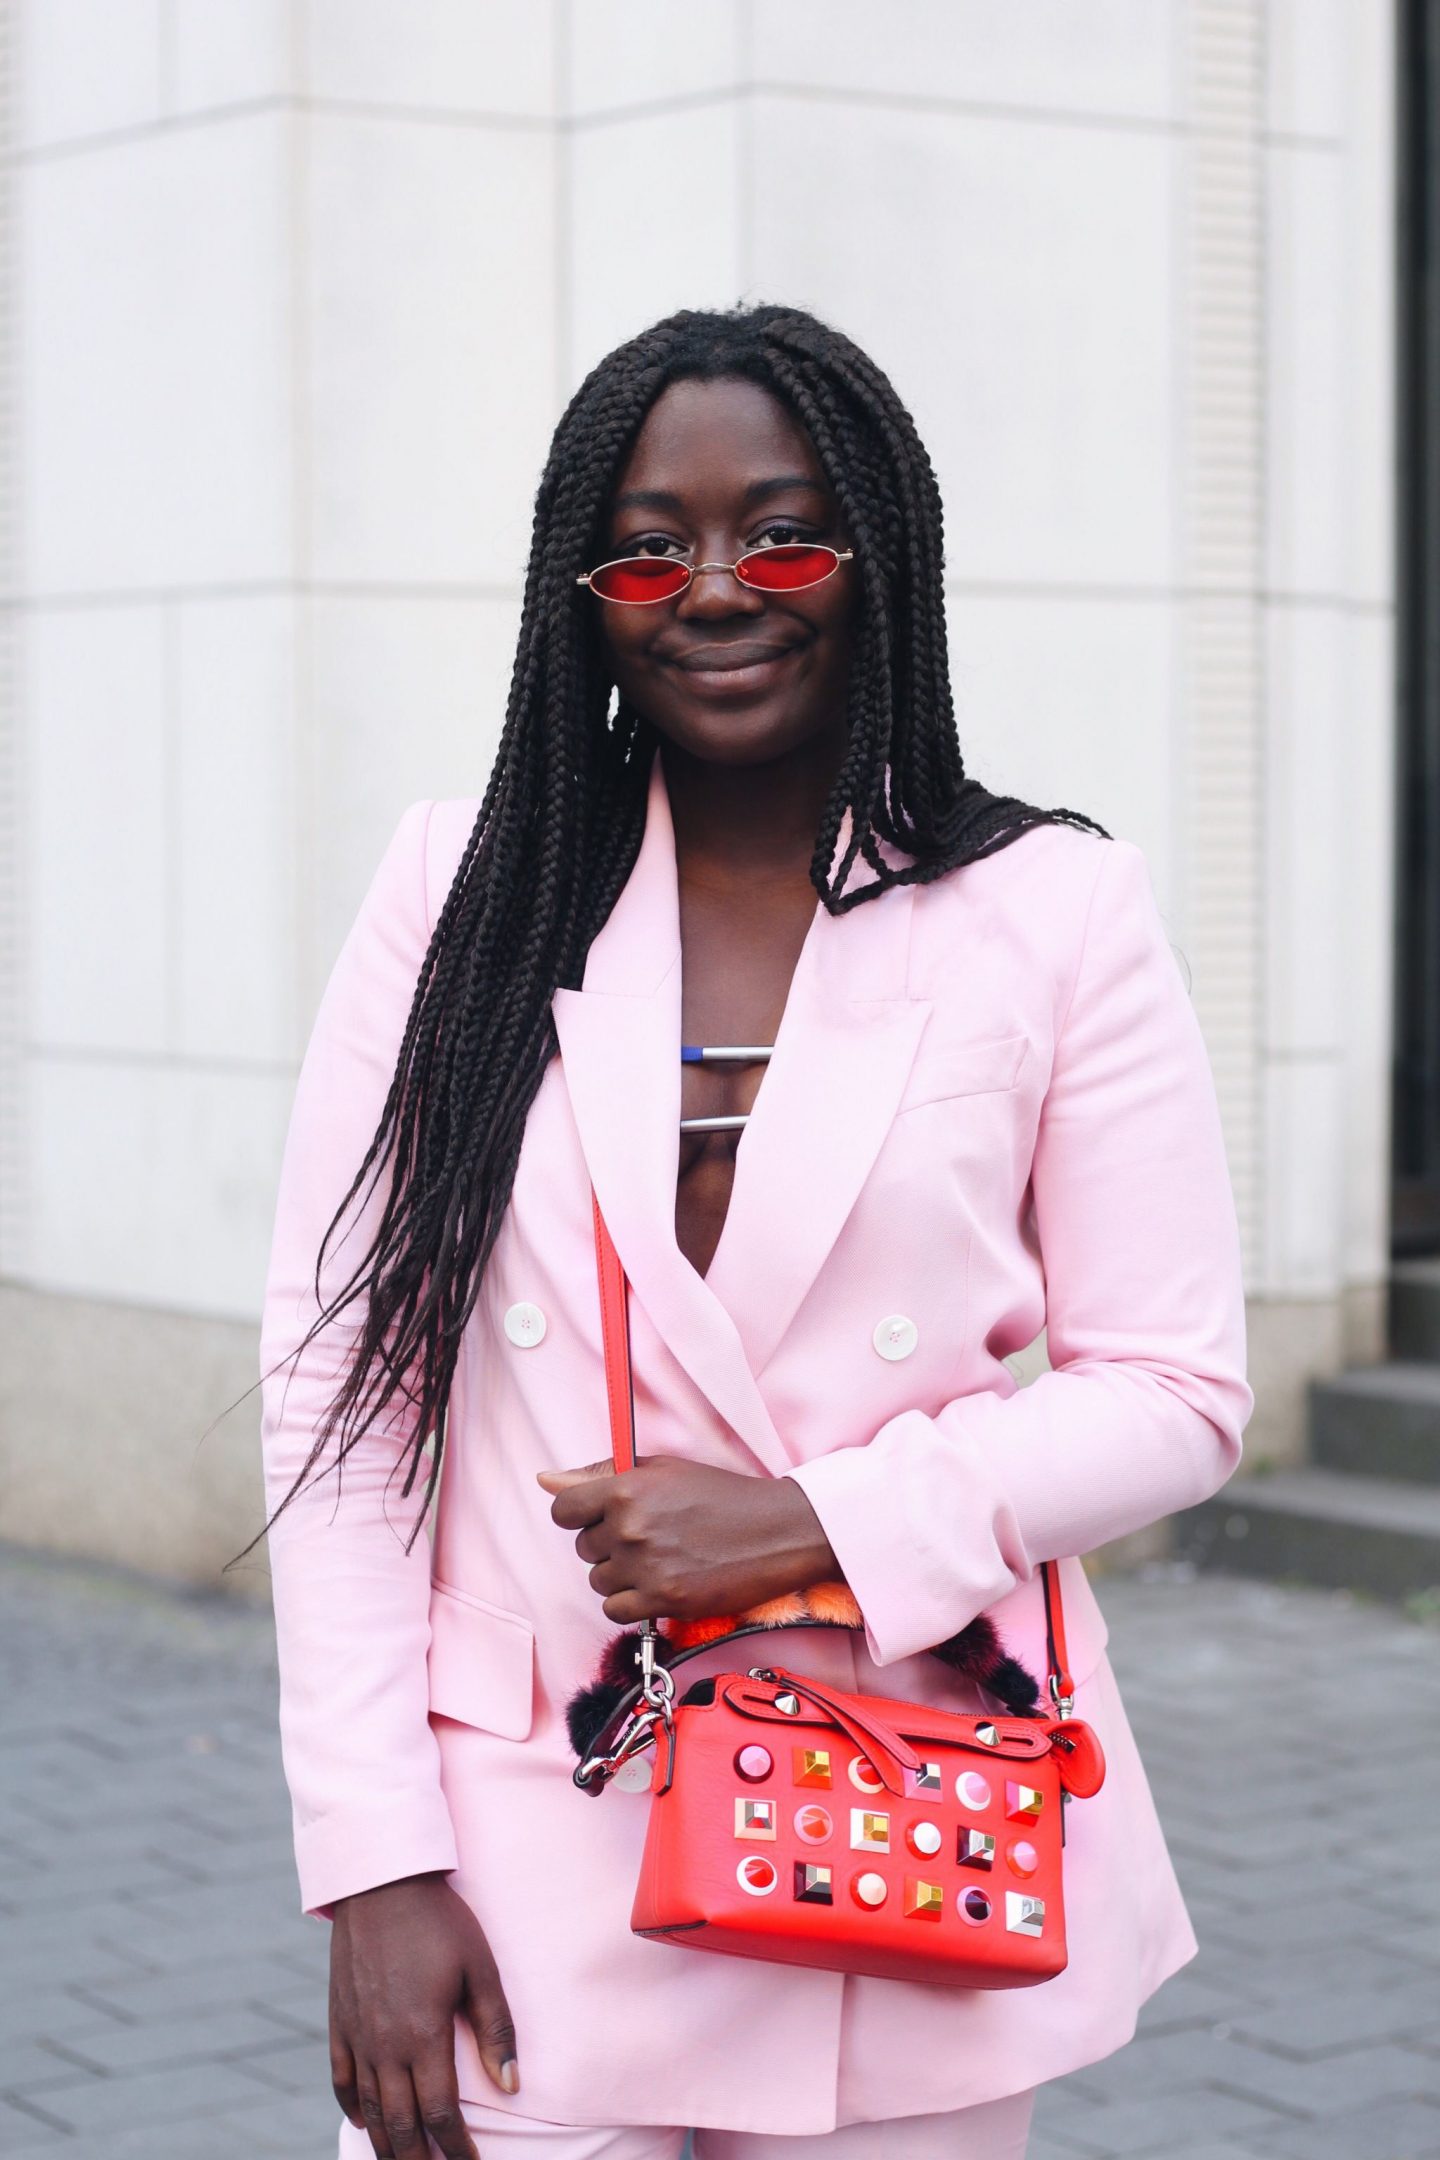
1024	1915
813	1883
787	1704
975	1849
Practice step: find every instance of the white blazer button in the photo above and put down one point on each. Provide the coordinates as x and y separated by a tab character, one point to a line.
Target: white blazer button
525	1325
895	1336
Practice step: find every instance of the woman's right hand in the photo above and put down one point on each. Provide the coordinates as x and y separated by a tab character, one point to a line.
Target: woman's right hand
406	1959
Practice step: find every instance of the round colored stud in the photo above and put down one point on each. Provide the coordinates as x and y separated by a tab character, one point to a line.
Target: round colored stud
813	1824
864	1776
1022	1856
868	1889
975	1907
757	1875
924	1837
972	1790
754	1763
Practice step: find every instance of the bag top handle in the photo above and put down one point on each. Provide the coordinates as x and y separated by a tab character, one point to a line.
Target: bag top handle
620	1396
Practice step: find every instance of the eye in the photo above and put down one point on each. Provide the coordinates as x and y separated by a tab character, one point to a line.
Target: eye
644	543
790	532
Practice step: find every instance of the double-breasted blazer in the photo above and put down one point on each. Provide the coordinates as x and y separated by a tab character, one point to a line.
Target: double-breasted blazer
989	1111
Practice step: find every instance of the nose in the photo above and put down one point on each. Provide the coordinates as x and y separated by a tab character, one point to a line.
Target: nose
714	587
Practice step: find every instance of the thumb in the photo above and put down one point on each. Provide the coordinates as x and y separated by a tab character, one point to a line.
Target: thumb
557	1480
493	2027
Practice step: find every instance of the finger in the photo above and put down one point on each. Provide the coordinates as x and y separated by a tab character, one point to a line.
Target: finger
494	2029
593	1542
372	2111
556	1480
342	2079
401	2112
437	2093
582	1503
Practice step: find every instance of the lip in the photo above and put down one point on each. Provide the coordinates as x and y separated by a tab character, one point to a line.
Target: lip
752	667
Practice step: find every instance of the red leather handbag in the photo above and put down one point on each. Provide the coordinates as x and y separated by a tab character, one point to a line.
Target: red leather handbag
794	1821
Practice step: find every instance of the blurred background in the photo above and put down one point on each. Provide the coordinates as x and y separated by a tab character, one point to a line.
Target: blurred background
292	293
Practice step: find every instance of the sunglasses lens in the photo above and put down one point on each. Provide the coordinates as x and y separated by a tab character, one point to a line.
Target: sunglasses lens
638	577
785	569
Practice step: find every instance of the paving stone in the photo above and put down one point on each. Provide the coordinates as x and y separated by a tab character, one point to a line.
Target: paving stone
210	2036
148	2097
1344	2019
1395	2130
1150	2125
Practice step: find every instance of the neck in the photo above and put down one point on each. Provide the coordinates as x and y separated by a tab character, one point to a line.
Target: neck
743	824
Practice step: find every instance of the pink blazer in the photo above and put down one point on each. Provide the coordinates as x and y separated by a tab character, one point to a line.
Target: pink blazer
989	1110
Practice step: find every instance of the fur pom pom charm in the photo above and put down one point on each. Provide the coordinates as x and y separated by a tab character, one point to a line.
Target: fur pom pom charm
976	1653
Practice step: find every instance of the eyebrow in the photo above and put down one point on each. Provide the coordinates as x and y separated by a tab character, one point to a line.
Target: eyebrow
758	490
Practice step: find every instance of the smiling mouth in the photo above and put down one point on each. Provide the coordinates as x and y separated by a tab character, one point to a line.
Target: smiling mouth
746	669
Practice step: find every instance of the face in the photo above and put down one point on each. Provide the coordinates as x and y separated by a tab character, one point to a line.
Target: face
727	673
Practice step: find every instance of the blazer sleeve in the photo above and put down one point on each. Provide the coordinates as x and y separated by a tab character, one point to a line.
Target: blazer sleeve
936	1517
351	1607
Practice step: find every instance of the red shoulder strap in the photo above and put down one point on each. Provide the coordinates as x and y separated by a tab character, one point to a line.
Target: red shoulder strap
620	1394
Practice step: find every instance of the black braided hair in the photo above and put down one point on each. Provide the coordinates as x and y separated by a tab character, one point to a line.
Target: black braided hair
563	815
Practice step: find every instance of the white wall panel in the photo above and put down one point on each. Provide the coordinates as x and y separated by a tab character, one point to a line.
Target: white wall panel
685	249
234	838
1111	57
155	1183
497	57
1016	283
1068	702
87	67
219	55
155	362
430	296
98	912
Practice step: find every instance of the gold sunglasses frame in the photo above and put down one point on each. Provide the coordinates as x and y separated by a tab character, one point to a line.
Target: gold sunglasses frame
693	570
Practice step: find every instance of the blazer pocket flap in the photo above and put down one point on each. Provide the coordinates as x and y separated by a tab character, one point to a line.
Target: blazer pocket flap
482	1663
964	1068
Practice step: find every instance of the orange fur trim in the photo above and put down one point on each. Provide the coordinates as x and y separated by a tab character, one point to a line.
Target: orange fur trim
830	1601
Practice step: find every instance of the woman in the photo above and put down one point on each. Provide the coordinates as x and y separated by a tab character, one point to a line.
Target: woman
989	1109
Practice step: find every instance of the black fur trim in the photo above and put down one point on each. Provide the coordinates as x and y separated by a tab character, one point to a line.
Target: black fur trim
976	1653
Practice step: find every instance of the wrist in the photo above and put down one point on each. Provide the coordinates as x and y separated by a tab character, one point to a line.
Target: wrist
805	1551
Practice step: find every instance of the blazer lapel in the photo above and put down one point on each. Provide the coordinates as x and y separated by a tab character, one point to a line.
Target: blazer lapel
841	1059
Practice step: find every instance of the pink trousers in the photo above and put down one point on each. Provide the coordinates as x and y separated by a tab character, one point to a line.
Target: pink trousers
996	2130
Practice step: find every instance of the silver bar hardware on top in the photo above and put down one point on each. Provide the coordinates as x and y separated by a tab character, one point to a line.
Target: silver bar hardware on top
718	1054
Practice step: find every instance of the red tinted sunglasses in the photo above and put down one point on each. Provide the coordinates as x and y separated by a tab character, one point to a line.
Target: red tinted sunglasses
638	579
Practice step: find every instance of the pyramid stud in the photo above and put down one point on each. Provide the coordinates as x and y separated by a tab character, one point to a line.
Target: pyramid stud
868	1831
813	1883
755	1818
812	1765
926	1779
1022	1802
1024	1915
923	1900
975	1849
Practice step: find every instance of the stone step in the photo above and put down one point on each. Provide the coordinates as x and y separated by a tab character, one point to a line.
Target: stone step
1320	1526
1379	1421
1413	1316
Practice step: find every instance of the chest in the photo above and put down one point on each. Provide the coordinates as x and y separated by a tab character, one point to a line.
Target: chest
738	960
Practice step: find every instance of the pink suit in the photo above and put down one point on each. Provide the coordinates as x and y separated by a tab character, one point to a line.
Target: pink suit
989	1110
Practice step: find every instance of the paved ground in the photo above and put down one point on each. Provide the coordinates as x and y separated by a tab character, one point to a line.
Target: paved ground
161	1998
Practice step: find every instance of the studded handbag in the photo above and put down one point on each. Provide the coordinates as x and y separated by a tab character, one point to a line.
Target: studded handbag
796	1822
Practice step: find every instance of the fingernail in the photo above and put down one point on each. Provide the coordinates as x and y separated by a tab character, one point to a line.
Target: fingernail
510	2074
